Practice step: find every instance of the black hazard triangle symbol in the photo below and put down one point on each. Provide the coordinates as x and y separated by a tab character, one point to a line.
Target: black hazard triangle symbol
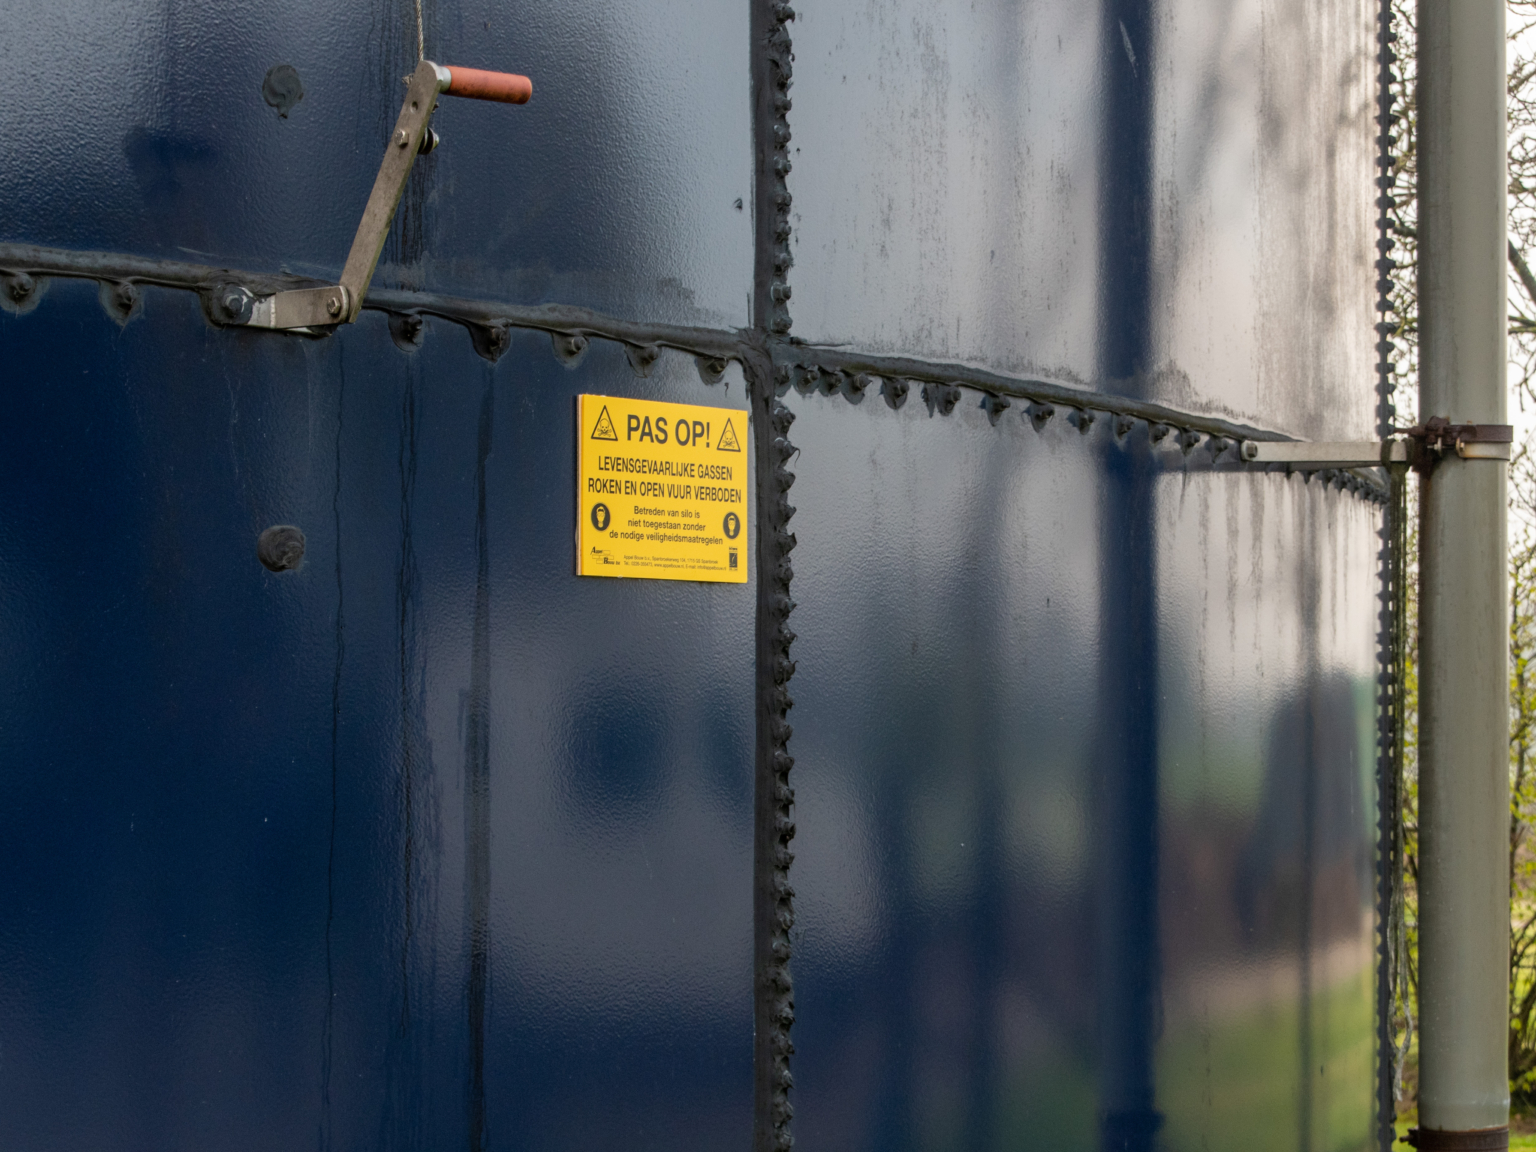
727	441
603	430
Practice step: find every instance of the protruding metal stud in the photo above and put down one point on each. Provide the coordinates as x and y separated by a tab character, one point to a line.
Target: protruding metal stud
995	405
408	330
1123	425
491	340
230	304
941	398
1040	414
280	548
642	357
119	301
1158	431
1082	419
569	347
711	368
895	391
19	286
281	88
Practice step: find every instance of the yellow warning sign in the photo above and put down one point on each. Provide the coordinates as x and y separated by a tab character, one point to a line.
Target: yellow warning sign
661	490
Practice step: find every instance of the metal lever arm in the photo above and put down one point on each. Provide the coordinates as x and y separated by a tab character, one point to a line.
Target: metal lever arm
340	303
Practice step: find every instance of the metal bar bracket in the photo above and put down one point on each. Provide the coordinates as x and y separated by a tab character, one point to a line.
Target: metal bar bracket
1326	454
305	309
1420	447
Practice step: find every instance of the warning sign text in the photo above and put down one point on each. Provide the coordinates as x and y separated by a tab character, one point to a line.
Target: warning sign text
661	490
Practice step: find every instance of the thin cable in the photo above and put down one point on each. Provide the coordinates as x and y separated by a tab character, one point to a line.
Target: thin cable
421	44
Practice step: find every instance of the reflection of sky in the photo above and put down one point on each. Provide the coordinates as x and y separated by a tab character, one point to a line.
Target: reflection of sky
946	196
1264	227
944	180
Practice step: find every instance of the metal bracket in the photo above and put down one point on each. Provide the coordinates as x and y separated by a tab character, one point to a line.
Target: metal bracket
1471	442
304	309
1420	447
1326	454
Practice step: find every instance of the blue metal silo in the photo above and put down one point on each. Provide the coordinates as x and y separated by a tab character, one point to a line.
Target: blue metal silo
426	841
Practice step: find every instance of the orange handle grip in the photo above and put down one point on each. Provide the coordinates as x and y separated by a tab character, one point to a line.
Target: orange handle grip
506	87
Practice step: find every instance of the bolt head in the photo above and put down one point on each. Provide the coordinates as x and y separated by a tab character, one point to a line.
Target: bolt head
333	304
280	548
402	138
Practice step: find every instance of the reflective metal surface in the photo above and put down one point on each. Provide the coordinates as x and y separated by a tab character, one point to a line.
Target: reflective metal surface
322	854
1021	799
954	963
144	129
967	174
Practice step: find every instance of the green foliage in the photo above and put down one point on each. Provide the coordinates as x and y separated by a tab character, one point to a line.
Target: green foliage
1522	798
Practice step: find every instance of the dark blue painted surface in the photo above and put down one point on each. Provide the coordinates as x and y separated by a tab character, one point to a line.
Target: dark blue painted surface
145	130
240	815
431	843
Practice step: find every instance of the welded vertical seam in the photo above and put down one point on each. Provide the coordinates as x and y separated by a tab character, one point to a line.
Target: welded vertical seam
772	72
773	898
773	1004
1391	560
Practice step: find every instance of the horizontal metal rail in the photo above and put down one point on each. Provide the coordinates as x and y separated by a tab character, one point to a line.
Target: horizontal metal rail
489	322
120	268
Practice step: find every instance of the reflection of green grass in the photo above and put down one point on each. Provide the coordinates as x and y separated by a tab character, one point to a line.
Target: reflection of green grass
1232	1085
1055	1108
1226	1085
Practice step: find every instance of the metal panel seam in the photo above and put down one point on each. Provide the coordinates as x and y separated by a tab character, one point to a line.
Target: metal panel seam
773	898
24	270
1390	636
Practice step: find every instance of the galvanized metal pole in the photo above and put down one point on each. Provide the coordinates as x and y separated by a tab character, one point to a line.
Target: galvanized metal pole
1463	704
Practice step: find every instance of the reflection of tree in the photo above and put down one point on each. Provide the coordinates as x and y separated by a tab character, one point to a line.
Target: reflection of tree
1304	874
